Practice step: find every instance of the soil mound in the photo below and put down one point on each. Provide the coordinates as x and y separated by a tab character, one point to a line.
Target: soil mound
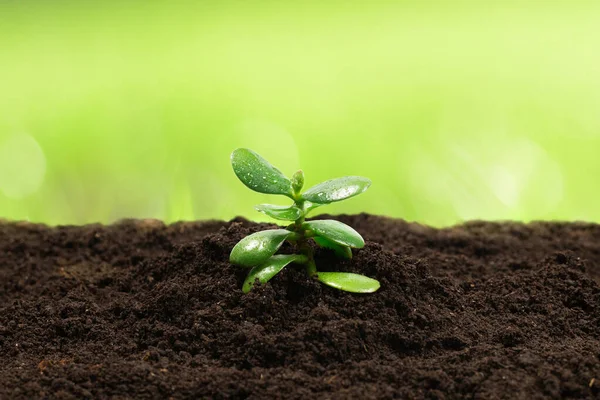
140	309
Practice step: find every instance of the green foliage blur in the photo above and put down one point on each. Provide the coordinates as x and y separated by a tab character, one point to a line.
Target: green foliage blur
456	110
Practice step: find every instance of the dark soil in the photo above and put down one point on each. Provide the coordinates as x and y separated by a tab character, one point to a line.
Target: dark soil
140	309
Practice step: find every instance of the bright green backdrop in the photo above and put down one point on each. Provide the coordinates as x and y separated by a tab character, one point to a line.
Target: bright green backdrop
455	109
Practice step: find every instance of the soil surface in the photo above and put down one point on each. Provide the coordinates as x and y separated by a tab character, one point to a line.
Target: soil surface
140	309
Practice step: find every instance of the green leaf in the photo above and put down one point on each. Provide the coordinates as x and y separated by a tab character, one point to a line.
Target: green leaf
336	232
337	189
349	282
308	206
269	269
256	173
255	249
339	250
286	213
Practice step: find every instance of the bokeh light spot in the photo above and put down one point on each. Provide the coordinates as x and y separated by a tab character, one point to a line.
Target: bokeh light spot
504	185
22	166
497	177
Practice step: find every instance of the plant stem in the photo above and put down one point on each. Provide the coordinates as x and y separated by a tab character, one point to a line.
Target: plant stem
302	241
298	223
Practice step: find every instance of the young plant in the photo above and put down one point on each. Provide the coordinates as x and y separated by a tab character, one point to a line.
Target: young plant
257	250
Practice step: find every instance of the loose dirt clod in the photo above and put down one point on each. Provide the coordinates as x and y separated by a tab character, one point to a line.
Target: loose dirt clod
481	310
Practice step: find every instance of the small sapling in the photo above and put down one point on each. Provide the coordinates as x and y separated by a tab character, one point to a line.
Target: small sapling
257	251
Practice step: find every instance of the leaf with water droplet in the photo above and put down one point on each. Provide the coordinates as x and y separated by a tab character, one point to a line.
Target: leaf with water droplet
258	174
255	249
336	232
285	213
349	282
337	189
339	250
269	269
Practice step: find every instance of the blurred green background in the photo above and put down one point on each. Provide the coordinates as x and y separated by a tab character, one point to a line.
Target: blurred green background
455	109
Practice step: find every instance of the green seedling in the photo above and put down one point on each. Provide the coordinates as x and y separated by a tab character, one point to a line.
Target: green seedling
257	251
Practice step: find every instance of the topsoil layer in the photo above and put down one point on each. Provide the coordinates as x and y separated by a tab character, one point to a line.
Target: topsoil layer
140	309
